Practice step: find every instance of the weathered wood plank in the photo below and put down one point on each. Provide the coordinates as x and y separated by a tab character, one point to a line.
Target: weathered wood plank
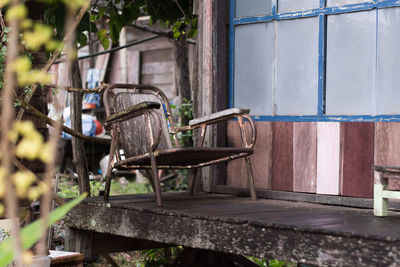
114	75
305	157
358	158
282	156
240	226
158	55
156	79
157	67
133	133
387	147
260	159
134	66
328	158
220	115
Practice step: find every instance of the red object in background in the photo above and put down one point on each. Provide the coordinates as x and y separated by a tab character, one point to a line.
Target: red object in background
89	105
99	128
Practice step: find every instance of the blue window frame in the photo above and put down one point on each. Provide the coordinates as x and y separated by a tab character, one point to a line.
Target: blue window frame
323	91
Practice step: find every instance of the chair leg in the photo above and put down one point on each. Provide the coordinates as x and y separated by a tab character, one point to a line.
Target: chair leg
151	180
109	169
250	178
192	181
380	203
156	180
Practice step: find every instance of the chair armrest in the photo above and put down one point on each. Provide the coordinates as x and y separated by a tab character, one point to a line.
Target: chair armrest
388	169
218	116
131	112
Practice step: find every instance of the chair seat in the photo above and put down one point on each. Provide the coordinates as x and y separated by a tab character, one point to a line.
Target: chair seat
185	158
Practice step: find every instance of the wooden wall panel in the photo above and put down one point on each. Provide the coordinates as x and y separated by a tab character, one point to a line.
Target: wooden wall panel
305	157
328	158
358	158
261	159
387	147
282	156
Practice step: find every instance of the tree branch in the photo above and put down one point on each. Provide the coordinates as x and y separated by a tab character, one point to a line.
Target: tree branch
97	90
33	111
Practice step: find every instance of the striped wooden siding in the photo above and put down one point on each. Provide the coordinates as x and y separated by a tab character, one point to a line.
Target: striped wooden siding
319	157
236	172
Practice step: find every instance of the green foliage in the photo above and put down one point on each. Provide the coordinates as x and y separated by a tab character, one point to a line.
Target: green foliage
54	16
271	263
186	114
103	38
120	13
186	27
160	256
3	53
177	14
66	190
129	188
32	232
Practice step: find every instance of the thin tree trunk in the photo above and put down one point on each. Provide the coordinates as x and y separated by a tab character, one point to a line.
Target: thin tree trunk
182	78
182	67
78	149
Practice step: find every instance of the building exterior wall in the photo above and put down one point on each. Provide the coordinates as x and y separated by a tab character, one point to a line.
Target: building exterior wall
319	77
333	158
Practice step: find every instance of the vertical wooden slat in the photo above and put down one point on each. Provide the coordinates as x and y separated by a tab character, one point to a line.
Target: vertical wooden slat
305	157
134	66
358	158
282	156
328	158
387	147
260	159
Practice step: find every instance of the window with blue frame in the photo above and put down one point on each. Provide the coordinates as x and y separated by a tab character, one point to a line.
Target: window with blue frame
316	60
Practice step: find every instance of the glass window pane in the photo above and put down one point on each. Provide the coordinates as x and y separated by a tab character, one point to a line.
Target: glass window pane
297	67
296	5
350	64
330	3
253	67
388	78
257	7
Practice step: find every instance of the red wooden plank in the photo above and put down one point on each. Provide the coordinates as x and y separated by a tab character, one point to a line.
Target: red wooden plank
282	156
305	157
387	147
358	158
261	159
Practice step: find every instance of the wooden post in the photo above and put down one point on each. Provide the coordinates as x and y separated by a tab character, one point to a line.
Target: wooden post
212	84
79	241
78	149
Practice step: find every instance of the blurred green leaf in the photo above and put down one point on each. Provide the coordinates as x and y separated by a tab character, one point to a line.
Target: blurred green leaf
102	34
32	232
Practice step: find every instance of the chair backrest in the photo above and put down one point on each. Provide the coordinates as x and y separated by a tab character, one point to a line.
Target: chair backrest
133	133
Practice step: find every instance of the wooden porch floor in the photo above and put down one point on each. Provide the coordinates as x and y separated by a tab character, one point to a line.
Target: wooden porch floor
296	231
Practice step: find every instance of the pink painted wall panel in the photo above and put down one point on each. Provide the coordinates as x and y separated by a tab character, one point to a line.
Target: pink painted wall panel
305	157
328	158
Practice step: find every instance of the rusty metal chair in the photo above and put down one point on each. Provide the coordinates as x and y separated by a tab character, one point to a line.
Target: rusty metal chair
382	194
142	136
